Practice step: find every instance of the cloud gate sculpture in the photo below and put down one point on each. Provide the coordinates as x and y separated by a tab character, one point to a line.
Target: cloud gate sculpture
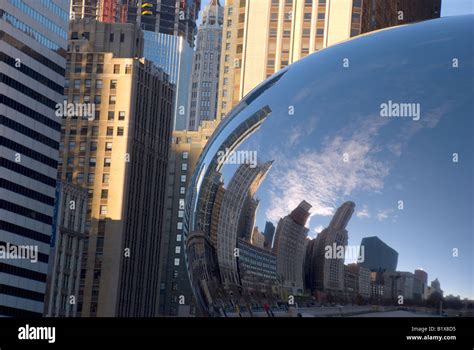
369	137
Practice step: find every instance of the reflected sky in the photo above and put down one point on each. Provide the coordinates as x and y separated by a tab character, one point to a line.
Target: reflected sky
330	144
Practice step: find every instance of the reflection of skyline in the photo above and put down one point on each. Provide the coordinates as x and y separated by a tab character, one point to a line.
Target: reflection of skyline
388	160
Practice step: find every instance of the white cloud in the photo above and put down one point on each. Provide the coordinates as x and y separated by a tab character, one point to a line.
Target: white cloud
323	178
364	213
384	214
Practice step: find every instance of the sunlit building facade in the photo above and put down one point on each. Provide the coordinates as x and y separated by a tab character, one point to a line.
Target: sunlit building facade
120	154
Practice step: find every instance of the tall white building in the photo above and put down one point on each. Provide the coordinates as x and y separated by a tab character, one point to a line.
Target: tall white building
205	70
33	40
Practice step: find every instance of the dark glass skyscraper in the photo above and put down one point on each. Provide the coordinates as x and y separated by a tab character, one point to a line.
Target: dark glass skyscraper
378	255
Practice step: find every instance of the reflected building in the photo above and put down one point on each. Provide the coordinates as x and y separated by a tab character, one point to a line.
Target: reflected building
269	233
421	284
234	211
289	246
261	37
378	256
258	239
327	271
258	273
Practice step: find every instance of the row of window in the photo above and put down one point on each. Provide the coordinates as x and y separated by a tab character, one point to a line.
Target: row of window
22	129
5	79
21	293
90	179
88	83
20	169
31	73
99	68
39	157
40	38
25	191
24	232
21	272
82	146
32	53
95	131
50	5
26	212
46	22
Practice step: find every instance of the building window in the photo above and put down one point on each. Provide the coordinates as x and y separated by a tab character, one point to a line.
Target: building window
179	225
121	115
104	194
110	131
120	131
116	68
182	190
177	249
108	146
107	162
180	213
184	166
113	84
183	178
92	162
122	37
110	115
112	99
176	262
103	210
178	238
128	69
105	178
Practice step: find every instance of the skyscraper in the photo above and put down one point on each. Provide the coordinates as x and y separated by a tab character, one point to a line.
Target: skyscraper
205	69
33	40
243	185
378	256
327	270
261	37
120	155
269	232
290	246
